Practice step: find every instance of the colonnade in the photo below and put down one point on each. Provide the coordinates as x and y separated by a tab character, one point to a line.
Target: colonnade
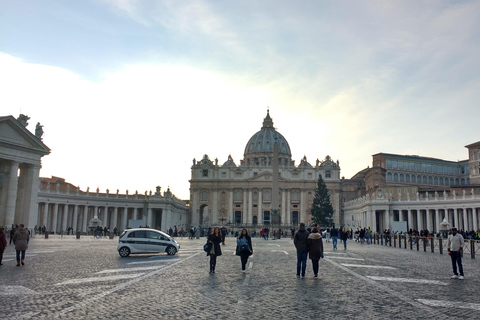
462	213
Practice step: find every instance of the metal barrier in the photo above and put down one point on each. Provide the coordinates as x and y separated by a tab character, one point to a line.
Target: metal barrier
434	244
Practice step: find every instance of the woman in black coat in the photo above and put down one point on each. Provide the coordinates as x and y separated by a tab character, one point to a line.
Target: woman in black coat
245	253
315	249
214	238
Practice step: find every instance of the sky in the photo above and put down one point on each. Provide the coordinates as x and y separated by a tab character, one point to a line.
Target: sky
130	92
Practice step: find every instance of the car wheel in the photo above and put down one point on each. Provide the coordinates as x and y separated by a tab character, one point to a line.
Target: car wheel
124	252
171	250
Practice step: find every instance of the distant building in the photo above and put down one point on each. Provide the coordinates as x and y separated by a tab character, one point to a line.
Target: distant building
241	194
58	205
419	191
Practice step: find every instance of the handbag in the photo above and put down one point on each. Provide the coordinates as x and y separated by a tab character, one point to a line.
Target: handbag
207	247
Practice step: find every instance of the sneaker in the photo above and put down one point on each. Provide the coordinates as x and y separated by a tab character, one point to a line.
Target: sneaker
298	276
303	277
315	277
243	271
454	277
461	277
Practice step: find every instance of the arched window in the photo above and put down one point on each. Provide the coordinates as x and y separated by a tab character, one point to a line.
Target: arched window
389	176
457	182
430	180
463	181
435	180
402	179
419	179
414	178
395	177
441	181
425	181
407	178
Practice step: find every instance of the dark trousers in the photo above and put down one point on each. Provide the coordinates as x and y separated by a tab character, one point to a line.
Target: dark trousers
456	257
244	259
213	262
301	262
1	255
315	266
18	255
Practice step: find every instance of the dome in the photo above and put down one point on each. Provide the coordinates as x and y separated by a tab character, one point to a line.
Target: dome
229	162
262	141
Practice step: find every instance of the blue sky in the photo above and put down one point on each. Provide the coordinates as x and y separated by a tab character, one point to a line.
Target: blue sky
129	92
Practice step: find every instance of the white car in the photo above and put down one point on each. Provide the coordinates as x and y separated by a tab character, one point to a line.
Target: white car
144	240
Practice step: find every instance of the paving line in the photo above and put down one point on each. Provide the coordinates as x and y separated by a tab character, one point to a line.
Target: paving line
247	280
250	265
345	258
128	269
280	251
152	261
422	281
367	266
450	304
96	279
432	313
121	286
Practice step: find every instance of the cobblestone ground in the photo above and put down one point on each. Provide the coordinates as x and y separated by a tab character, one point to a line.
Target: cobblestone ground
66	278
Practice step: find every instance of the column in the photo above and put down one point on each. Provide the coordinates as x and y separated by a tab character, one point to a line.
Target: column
437	220
465	220
250	206
284	208
400	215
115	218
455	217
75	217
244	206
410	219
11	195
429	220
85	218
260	205
302	216
474	218
45	215
419	220
230	206
125	219
287	207
65	218
149	217
55	218
214	207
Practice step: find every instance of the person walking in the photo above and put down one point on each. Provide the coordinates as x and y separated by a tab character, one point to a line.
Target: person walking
455	250
3	243
334	235
21	239
244	240
214	238
300	242
315	249
344	237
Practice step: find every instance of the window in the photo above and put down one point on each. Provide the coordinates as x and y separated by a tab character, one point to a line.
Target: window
267	196
407	178
238	196
295	217
414	190
405	191
414	178
137	234
255	173
266	217
295	195
238	217
389	164
255	220
402	177
389	176
255	196
328	174
224	174
395	177
204	173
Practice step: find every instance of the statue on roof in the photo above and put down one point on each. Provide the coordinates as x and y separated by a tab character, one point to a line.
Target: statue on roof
23	119
39	130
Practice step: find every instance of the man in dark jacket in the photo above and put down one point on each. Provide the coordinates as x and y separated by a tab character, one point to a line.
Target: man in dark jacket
300	242
334	235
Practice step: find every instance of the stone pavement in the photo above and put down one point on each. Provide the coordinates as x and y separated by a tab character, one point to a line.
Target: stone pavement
65	278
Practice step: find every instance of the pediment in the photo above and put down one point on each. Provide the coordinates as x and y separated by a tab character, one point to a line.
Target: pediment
265	176
14	135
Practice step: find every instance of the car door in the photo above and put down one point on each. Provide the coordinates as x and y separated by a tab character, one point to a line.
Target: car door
156	242
137	240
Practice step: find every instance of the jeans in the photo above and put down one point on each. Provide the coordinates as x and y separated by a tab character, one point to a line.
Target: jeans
301	262
244	259
334	241
456	257
18	255
345	243
213	262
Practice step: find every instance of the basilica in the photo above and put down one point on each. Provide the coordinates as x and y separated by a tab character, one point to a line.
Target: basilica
243	193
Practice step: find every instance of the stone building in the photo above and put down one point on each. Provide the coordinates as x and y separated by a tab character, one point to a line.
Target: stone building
243	194
51	202
419	191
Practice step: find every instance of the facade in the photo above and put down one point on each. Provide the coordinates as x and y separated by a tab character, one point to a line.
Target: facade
419	191
51	202
20	162
242	195
474	162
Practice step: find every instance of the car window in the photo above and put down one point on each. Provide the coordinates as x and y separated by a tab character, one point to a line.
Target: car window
137	234
154	235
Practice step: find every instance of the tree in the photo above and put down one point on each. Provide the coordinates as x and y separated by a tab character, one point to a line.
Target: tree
322	209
